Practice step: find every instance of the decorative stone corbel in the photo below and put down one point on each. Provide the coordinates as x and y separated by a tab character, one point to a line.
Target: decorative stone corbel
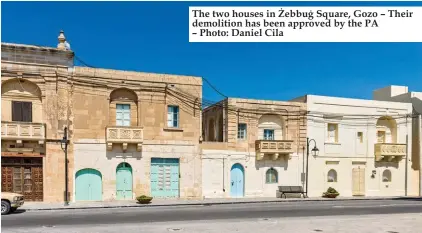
275	156
109	146
139	146
259	156
124	146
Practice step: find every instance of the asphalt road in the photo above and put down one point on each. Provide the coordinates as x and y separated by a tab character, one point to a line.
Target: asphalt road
62	218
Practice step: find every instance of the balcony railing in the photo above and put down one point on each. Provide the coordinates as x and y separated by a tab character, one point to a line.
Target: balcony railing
19	131
275	148
124	135
389	152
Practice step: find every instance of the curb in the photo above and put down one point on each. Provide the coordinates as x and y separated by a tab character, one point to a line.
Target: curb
218	203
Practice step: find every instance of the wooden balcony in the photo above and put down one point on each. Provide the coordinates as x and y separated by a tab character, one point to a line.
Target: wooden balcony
389	152
274	148
19	131
124	135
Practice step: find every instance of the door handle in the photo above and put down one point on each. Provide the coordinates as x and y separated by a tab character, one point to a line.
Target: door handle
232	183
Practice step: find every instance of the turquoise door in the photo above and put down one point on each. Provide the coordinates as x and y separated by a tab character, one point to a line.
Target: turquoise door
164	177
237	178
123	114
124	182
88	185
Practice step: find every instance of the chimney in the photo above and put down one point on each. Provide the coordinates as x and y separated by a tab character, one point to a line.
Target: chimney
62	40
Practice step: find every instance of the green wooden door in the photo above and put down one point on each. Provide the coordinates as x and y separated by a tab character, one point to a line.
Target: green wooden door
164	177
88	185
124	182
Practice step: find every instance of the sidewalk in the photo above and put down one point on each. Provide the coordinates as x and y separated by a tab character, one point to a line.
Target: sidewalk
33	206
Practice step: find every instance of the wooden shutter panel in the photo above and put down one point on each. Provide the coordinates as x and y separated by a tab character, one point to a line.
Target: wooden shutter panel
16	111
27	111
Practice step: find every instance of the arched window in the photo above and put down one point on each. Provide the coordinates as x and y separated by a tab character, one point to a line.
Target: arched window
386	176
332	176
271	177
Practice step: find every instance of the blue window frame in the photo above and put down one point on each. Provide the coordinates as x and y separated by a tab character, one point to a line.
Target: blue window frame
173	116
241	131
268	134
123	114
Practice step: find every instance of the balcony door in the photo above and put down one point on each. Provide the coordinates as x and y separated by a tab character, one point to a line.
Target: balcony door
268	134
21	111
123	114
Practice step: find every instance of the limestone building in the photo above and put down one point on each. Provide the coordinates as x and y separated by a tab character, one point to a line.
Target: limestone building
252	146
130	133
34	111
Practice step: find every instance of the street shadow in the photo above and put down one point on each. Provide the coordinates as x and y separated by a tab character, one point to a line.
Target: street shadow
18	211
408	199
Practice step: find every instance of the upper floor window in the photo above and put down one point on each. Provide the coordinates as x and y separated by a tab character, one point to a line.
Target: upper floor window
123	114
21	111
241	131
360	137
381	137
173	116
268	134
332	135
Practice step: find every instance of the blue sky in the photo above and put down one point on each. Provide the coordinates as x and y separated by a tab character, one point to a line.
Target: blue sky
153	37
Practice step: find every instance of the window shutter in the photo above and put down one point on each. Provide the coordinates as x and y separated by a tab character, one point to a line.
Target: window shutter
170	117
16	111
27	111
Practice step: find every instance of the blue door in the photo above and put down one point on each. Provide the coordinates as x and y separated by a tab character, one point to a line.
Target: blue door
164	177
88	185
237	178
123	114
124	182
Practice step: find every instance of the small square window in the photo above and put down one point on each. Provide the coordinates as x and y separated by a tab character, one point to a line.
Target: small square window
173	116
241	131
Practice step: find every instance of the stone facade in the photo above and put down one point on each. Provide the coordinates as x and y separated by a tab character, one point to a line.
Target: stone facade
84	100
222	148
36	75
97	91
362	146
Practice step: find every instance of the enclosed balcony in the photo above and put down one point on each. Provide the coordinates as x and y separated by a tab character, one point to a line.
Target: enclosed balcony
20	131
124	135
273	148
389	152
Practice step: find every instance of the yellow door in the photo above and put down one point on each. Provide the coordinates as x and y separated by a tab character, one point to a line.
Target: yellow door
358	182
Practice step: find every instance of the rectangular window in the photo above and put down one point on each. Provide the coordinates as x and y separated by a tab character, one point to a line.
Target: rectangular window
21	111
123	114
360	137
268	134
381	136
332	133
241	131
173	116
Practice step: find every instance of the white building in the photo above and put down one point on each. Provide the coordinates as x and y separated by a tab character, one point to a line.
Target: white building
402	94
362	146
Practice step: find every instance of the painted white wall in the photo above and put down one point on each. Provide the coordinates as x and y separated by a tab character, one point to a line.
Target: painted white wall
348	152
216	166
402	94
92	153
